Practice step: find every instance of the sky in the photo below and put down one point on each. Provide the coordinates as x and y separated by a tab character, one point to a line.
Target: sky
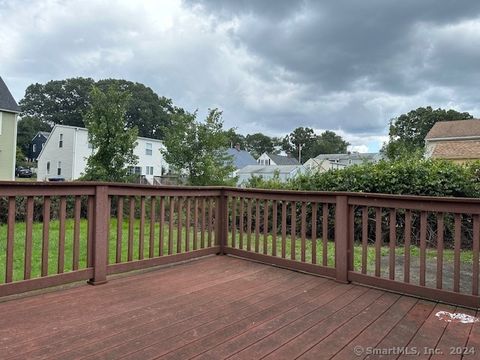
346	65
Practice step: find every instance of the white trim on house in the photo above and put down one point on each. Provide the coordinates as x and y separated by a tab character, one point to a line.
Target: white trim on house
15	146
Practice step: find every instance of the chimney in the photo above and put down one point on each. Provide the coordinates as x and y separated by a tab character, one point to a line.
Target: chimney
237	146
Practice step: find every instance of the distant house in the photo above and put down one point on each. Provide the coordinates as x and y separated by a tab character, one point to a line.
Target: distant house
9	111
37	144
241	158
67	149
273	159
325	162
267	172
458	141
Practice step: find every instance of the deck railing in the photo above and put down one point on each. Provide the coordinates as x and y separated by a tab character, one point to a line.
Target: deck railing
52	234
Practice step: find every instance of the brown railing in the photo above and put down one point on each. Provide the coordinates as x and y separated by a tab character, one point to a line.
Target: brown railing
52	234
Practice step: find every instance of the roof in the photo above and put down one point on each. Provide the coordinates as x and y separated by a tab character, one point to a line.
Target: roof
45	134
241	158
283	160
351	156
7	102
454	129
268	169
467	149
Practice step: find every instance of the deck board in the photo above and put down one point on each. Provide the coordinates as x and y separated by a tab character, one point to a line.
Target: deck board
223	307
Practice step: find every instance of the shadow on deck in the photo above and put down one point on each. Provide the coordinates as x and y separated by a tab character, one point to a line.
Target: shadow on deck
223	307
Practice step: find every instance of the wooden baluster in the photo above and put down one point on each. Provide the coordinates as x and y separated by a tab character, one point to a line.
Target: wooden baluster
90	229
202	234
284	229
171	216
179	225
161	230
266	209
195	225
257	225
187	225
241	225
249	225
210	221
293	233
476	250
234	221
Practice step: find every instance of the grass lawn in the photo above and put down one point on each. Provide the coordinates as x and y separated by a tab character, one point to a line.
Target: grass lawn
19	247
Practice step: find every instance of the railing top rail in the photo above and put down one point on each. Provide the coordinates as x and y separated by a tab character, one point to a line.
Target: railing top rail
355	197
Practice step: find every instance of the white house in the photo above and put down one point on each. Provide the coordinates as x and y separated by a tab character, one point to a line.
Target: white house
273	159
325	162
67	149
267	172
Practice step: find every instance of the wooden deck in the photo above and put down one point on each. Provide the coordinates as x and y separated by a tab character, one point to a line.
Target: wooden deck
222	307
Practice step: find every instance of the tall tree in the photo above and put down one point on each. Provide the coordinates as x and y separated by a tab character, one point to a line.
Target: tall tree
112	141
27	128
329	142
300	143
66	102
234	138
407	132
198	149
258	143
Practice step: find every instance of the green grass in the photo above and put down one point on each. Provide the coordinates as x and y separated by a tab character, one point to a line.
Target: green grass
19	247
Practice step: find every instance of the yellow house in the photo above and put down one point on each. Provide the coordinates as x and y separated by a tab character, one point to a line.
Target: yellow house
9	111
458	141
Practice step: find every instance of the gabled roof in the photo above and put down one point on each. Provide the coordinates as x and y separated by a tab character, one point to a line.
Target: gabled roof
7	102
454	129
457	150
241	158
268	169
283	160
45	134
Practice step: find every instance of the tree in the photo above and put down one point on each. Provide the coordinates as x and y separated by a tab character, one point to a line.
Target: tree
66	102
198	148
300	143
234	138
258	143
407	132
27	128
107	132
329	143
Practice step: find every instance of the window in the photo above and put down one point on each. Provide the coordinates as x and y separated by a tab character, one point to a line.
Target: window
90	146
148	149
59	168
48	167
34	147
149	170
135	170
60	141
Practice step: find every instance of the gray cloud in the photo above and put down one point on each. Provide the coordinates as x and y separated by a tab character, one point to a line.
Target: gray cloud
270	65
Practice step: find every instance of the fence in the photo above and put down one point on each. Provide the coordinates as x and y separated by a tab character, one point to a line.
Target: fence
58	233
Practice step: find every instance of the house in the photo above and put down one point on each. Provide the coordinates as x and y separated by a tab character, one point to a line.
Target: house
9	111
241	158
458	141
325	162
267	172
67	149
37	144
273	159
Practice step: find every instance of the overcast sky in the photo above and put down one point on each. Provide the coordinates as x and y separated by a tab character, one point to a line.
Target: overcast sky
271	66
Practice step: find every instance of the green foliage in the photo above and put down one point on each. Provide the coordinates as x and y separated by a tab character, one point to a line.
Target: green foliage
20	159
198	149
407	132
66	102
304	142
258	143
27	128
407	177
113	142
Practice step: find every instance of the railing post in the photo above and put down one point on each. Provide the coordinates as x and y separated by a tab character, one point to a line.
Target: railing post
342	239
100	232
222	231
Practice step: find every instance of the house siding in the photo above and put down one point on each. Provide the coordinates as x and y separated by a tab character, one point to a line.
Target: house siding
53	153
8	145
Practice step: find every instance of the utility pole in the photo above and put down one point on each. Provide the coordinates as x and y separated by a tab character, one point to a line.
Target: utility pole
300	153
